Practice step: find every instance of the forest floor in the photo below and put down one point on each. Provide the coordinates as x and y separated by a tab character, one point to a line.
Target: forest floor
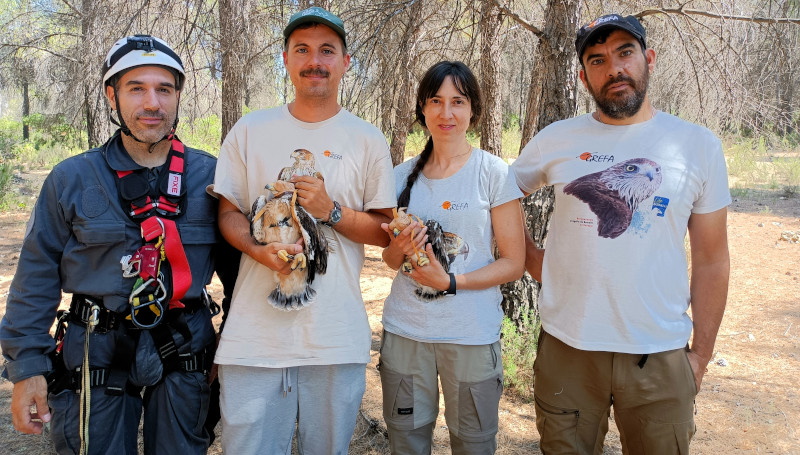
748	402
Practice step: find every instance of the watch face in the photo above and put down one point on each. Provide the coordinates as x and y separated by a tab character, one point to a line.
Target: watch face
336	214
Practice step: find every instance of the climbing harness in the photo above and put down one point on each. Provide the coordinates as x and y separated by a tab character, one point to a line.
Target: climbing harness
162	245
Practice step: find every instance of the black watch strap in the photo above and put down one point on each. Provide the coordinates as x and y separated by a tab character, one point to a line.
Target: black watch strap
452	289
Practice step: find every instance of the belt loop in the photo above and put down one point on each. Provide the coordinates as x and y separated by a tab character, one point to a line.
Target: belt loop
642	361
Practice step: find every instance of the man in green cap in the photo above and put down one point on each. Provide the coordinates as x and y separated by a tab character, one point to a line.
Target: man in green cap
301	366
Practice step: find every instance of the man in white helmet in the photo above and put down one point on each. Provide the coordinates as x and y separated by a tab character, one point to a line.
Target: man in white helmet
128	229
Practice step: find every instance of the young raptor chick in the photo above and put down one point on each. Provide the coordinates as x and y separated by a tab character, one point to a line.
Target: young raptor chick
438	239
281	219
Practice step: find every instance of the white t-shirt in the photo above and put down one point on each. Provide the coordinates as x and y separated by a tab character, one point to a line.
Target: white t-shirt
353	158
615	270
461	203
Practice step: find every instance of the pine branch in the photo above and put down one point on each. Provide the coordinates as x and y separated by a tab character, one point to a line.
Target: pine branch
686	12
530	27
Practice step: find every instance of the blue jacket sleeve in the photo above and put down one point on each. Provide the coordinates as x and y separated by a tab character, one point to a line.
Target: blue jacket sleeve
35	291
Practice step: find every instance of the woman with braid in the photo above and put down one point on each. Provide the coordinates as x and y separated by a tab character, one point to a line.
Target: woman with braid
454	335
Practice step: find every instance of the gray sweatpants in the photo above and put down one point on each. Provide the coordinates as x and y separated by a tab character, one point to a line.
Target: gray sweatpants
261	407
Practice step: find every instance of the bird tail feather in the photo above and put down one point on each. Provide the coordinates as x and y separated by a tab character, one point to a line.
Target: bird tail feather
289	302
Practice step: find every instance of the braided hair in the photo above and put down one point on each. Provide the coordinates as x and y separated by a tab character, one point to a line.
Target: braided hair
466	84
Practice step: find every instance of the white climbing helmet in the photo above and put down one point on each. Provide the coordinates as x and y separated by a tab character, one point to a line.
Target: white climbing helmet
141	50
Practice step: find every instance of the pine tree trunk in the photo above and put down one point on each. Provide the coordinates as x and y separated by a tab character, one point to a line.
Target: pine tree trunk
26	111
551	98
403	116
492	118
93	95
231	19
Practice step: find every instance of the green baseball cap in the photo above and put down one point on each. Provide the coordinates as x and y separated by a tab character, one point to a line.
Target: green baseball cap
315	14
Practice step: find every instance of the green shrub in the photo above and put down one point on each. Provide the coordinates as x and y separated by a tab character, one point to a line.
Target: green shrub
415	142
202	133
519	352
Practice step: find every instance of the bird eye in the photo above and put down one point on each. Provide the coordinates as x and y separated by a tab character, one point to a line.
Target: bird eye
631	168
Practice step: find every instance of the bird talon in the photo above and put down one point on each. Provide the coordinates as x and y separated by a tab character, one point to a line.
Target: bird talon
299	261
407	267
285	256
422	261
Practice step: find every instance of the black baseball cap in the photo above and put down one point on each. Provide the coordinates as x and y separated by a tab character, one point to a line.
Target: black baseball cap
315	14
630	24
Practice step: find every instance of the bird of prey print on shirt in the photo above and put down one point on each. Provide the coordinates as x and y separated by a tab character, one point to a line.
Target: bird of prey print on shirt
614	194
304	164
446	246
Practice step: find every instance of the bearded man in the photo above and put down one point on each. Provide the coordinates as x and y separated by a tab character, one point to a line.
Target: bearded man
630	181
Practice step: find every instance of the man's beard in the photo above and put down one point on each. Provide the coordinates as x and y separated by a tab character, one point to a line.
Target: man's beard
148	135
621	106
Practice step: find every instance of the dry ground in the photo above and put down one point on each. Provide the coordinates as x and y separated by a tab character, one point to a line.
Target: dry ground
748	403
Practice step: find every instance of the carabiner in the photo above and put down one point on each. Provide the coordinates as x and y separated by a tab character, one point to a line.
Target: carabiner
210	303
158	311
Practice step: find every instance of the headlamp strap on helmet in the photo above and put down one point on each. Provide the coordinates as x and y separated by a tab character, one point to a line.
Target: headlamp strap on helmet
139	42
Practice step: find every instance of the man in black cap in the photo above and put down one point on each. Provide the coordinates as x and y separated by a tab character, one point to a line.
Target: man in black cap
287	367
630	182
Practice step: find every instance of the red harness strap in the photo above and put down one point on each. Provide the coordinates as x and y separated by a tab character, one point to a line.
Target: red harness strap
154	227
170	191
153	215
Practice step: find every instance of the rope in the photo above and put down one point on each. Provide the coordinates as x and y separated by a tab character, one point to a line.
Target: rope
86	381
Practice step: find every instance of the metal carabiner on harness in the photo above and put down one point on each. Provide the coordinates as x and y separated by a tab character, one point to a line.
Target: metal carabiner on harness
153	302
210	303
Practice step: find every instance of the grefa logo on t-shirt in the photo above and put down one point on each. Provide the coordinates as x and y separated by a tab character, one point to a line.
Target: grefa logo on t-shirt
593	158
455	206
331	155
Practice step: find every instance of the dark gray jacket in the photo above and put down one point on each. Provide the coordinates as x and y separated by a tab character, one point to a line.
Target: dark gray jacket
77	234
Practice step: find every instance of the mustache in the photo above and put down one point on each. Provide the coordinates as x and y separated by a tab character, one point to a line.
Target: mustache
315	72
618	79
152	114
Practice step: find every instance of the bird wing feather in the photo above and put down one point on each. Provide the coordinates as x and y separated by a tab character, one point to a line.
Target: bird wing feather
316	244
437	240
613	214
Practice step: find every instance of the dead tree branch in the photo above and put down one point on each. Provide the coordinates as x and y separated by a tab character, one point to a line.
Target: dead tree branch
527	25
687	12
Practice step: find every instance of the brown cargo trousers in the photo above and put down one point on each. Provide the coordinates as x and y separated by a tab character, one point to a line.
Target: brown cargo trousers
652	395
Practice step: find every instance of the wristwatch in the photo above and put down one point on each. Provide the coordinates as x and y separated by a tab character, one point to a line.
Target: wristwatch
452	289
335	216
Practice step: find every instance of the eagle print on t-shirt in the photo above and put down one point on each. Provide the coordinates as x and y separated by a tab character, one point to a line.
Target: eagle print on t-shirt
615	193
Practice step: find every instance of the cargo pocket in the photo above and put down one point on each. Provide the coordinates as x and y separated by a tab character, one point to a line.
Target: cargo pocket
398	399
65	440
690	372
558	428
97	245
667	438
204	399
478	404
198	233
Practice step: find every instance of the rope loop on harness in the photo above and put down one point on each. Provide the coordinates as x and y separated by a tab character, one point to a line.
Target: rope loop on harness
86	379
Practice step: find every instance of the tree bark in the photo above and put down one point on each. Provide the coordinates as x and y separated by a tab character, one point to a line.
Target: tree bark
93	101
491	51
232	46
551	98
403	117
26	111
